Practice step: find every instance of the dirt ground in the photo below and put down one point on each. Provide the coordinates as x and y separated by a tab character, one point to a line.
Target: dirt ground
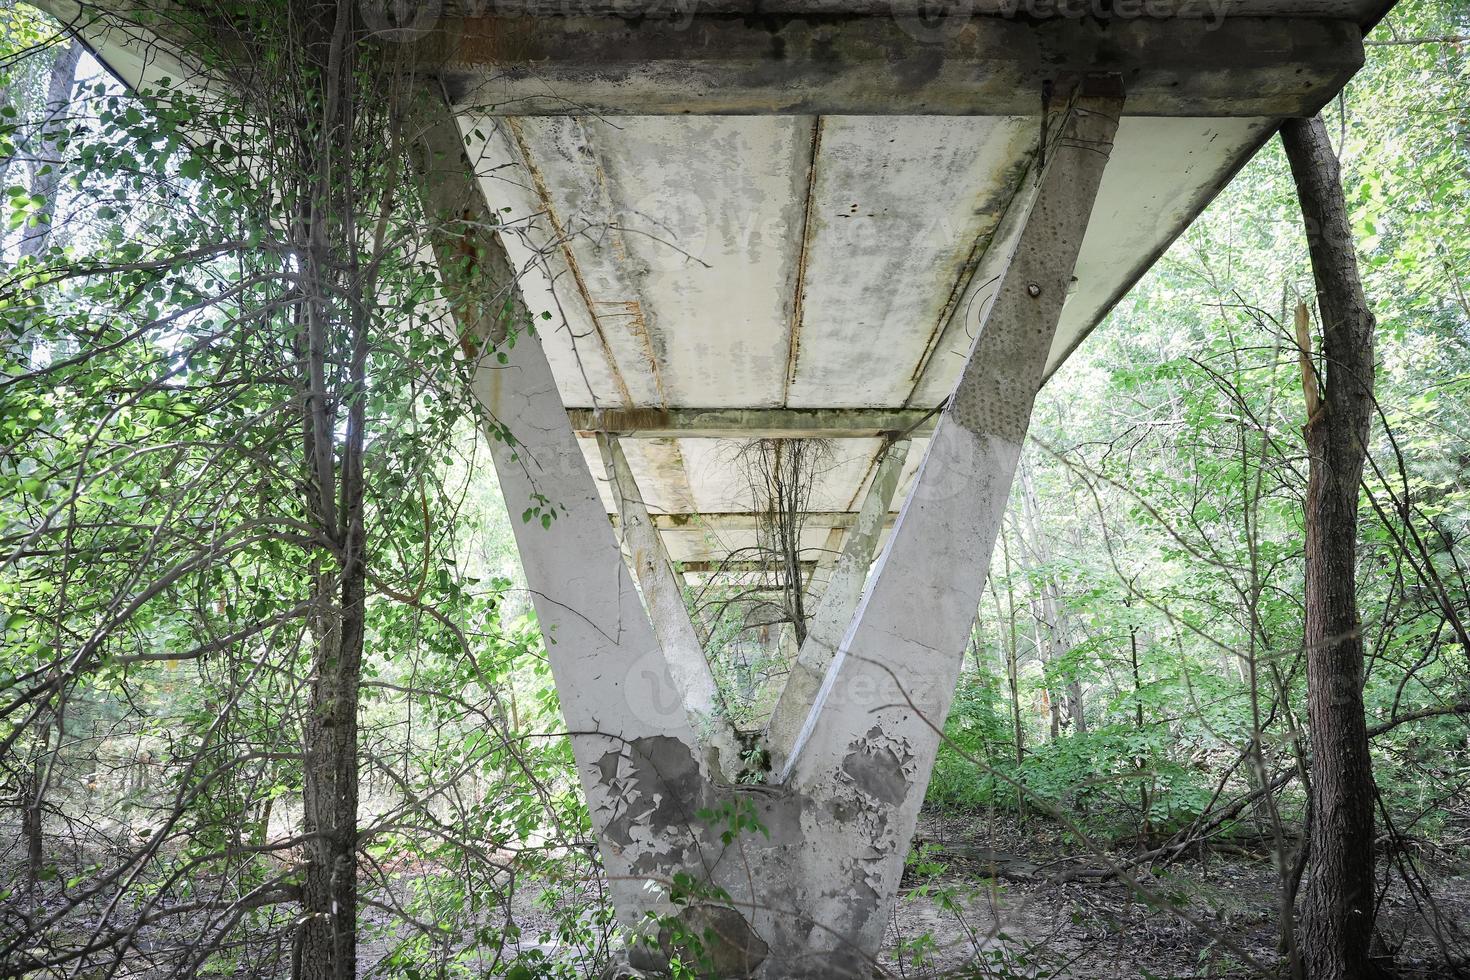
990	899
1012	903
987	898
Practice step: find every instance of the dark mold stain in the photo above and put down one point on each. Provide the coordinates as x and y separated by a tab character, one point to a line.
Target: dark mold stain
726	946
876	766
879	774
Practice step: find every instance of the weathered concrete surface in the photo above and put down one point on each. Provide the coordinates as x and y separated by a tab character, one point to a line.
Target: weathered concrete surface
871	740
663	595
761	272
615	686
808	894
874	65
844	588
717	277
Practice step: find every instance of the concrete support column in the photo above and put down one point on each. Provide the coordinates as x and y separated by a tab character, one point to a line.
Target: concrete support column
627	716
682	649
869	743
834	609
807	894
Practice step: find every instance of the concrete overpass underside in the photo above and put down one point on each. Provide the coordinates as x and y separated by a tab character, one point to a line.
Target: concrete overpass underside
788	219
741	237
808	219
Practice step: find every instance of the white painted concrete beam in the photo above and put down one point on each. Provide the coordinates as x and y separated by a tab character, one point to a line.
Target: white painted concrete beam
615	687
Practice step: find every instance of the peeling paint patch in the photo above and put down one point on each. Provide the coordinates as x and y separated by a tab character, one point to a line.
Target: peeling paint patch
653	787
877	771
880	765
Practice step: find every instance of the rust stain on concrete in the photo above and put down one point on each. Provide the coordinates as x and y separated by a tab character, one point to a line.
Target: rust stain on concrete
793	337
544	192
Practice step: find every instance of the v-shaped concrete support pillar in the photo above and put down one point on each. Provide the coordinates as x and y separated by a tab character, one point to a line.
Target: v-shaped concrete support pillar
631	727
809	894
834	609
871	738
683	651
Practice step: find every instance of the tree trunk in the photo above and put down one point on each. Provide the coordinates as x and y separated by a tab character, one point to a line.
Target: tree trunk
1145	782
47	179
329	938
33	801
1338	919
1050	615
1006	620
1075	707
333	349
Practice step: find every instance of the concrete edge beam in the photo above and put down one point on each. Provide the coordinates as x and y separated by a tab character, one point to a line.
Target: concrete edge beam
877	65
703	567
745	521
751	423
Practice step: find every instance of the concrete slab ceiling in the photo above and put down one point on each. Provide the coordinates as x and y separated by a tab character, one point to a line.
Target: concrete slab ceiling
736	244
785	218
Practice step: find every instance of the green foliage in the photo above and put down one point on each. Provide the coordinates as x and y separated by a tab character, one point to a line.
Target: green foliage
734	817
1169	471
165	554
977	729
